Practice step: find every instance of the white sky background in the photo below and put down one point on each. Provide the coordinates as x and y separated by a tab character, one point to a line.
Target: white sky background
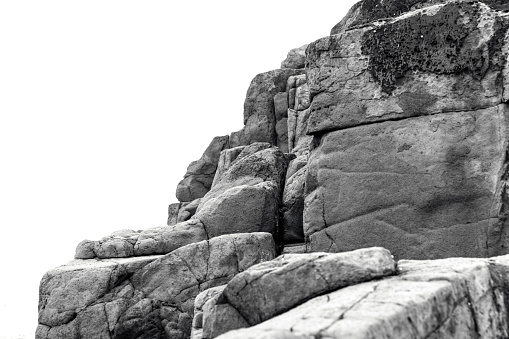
103	104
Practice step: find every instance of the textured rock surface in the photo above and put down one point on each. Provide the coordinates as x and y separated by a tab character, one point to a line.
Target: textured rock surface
147	297
187	210
199	302
173	212
439	59
259	294
247	197
259	113
293	201
426	187
452	298
296	58
200	173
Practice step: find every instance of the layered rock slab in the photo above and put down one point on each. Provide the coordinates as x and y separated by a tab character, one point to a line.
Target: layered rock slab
425	187
451	298
442	58
147	297
271	288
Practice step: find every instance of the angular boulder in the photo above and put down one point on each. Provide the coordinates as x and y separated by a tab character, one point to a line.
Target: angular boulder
293	202
270	288
200	173
146	297
247	197
451	298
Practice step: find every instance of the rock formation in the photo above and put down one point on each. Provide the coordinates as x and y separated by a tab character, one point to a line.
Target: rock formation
391	132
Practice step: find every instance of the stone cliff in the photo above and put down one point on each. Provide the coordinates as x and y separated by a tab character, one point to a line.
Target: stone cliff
368	163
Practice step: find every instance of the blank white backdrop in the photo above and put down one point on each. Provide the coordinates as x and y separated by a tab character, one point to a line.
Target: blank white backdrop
103	104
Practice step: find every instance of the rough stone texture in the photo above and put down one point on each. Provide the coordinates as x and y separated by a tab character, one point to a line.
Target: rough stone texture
437	59
226	159
298	140
238	138
259	294
199	302
162	240
426	187
200	173
452	298
173	211
247	197
296	58
282	135
156	240
187	210
259	113
147	297
294	249
293	203
220	317
371	10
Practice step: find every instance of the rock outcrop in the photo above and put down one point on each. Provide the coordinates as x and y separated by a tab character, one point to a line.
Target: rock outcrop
143	297
450	298
391	132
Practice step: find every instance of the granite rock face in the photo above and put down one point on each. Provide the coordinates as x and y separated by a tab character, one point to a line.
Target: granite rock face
200	173
258	293
451	298
391	132
143	297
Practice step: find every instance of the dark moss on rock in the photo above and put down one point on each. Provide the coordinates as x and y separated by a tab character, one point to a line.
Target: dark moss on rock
441	43
367	11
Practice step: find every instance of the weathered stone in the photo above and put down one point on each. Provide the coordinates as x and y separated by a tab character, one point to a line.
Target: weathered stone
438	59
298	140
282	135
294	249
119	244
220	317
259	114
162	240
255	164
258	293
281	105
242	209
426	187
226	159
146	297
302	97
173	212
452	298
200	173
238	138
296	58
293	207
187	210
372	10
199	302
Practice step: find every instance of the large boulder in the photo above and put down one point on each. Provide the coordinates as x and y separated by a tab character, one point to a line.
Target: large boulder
411	133
259	112
200	173
444	58
247	196
426	187
452	298
146	297
271	288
